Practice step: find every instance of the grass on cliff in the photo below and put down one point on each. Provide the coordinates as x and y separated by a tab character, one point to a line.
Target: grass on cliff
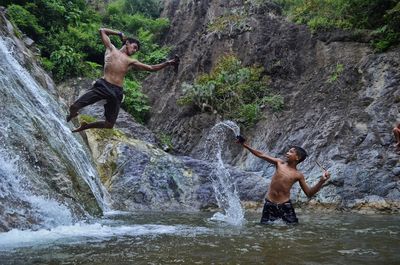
101	133
380	17
234	91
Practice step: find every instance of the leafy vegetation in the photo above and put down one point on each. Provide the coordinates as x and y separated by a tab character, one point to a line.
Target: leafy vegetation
135	102
102	133
382	17
336	74
235	91
233	22
66	32
165	140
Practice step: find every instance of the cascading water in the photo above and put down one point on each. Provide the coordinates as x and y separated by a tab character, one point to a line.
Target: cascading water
44	168
224	185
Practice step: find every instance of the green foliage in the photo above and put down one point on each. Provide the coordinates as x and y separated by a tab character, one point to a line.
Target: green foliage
381	16
235	91
150	52
25	21
66	62
135	102
91	69
87	118
233	22
166	140
151	8
336	74
102	133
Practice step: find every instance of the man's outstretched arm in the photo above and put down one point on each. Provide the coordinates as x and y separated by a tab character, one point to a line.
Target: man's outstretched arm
311	191
261	155
152	68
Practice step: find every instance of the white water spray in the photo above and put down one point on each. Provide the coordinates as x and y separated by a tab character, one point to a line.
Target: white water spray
224	185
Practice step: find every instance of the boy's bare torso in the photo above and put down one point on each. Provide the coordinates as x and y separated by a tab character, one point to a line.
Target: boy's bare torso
282	182
116	65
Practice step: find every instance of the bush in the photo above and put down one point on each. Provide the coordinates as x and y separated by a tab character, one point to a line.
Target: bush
235	91
25	21
381	16
135	102
67	63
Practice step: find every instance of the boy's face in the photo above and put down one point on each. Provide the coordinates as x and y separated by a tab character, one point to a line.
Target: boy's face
291	155
131	48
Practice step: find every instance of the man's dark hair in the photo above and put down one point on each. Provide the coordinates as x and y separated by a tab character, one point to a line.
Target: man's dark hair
300	152
132	40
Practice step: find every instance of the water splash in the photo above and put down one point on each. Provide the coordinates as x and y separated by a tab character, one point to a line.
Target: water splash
224	185
231	125
83	232
16	191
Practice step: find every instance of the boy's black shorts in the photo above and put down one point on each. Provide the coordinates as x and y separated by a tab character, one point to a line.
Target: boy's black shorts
274	211
100	90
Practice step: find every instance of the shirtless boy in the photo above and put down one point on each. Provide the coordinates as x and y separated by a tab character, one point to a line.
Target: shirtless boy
277	202
117	62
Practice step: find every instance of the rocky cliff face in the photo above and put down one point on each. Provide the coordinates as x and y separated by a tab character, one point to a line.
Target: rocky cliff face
342	117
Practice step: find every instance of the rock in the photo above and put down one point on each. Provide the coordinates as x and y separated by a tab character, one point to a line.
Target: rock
140	176
343	117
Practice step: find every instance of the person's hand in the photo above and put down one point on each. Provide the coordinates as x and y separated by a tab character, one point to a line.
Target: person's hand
122	36
174	61
240	139
325	176
171	62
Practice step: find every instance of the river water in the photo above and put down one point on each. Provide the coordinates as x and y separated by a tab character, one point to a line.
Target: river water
193	238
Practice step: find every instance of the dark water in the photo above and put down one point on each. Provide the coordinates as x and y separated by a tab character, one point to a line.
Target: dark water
191	238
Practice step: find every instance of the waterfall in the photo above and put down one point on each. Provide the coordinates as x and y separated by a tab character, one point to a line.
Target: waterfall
43	166
224	185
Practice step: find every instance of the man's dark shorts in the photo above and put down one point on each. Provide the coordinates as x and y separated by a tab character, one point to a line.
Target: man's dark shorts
274	211
100	90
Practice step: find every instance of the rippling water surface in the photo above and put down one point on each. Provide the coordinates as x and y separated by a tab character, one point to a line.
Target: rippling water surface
192	238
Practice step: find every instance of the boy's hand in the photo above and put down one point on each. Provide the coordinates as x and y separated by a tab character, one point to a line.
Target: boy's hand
122	36
240	139
325	176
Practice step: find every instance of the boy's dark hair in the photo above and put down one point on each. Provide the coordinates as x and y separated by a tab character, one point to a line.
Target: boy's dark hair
300	152
132	40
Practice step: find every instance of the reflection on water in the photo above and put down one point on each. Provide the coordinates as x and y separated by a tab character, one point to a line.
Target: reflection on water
191	238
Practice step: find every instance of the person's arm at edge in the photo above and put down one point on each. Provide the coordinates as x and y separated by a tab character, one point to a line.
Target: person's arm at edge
104	32
151	68
261	155
311	191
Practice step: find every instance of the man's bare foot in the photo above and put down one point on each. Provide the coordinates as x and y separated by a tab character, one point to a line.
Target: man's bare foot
70	117
81	128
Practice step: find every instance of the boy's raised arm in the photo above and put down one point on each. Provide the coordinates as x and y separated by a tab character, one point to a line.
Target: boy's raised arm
261	155
104	32
311	191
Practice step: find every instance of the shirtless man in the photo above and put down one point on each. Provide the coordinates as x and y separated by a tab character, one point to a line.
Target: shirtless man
277	202
116	65
396	132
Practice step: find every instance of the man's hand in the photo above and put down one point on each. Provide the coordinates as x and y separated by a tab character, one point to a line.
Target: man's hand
174	61
171	62
122	36
325	176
